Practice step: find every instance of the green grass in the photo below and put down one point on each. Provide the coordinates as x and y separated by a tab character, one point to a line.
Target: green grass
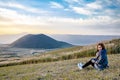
62	70
63	50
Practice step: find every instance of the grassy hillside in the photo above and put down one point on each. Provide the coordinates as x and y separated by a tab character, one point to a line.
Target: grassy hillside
62	70
113	47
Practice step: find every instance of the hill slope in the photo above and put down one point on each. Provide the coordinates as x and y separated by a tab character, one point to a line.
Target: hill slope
65	67
39	41
112	46
62	70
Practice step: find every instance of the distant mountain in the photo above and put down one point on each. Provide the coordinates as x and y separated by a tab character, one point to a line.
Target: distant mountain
39	41
80	40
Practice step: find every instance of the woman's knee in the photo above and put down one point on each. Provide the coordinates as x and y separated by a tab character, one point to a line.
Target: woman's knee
93	60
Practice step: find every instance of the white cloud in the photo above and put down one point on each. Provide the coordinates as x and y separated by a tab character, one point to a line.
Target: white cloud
56	5
91	25
81	7
19	6
81	10
94	5
17	18
96	8
16	5
96	25
72	1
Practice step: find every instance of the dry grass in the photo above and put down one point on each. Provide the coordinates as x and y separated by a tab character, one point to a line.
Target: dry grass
62	70
112	46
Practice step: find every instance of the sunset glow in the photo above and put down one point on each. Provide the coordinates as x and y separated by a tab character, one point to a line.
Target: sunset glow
87	17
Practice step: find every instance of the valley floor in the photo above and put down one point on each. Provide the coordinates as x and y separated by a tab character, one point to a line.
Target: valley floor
62	70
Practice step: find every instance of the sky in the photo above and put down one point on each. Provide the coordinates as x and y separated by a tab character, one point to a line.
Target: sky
84	17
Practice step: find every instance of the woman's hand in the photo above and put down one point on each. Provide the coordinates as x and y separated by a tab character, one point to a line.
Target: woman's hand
93	60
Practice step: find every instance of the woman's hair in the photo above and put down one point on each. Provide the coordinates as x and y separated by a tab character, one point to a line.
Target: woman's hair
100	44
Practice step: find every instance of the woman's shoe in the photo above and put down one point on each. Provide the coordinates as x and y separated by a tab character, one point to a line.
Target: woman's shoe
80	66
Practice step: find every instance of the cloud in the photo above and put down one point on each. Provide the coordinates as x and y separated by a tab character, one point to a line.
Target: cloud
18	18
94	22
18	22
80	10
94	5
20	6
84	8
99	25
72	1
56	5
95	8
14	17
81	7
7	15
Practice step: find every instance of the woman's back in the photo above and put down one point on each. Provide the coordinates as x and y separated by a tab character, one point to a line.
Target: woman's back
102	59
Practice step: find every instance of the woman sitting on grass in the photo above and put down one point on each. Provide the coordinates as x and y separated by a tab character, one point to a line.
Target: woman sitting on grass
100	62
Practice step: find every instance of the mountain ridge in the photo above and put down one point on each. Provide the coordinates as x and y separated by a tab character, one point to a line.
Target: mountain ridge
39	41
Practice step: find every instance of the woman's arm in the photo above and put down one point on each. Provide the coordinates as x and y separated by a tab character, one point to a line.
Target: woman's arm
101	56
